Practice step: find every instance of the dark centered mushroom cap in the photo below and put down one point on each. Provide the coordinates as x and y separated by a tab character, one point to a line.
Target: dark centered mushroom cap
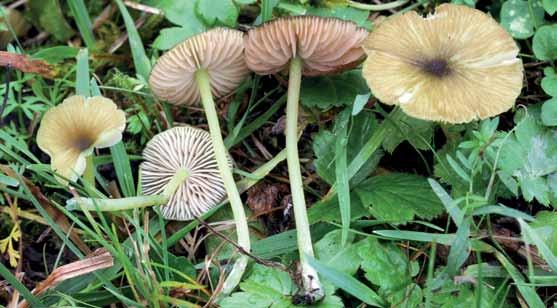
454	66
220	51
325	45
189	148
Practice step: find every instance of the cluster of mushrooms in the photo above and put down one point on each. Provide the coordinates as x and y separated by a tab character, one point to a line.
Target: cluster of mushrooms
455	65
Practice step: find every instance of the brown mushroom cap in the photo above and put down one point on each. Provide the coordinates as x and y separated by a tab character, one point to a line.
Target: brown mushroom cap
220	51
183	147
325	45
455	66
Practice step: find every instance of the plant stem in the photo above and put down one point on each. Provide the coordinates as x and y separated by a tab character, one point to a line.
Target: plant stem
310	280
242	231
121	204
376	7
89	174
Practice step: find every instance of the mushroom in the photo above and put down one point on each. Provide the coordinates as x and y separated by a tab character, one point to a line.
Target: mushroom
191	150
210	63
310	46
179	171
71	131
455	66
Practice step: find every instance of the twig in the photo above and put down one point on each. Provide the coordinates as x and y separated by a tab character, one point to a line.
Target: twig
144	8
25	64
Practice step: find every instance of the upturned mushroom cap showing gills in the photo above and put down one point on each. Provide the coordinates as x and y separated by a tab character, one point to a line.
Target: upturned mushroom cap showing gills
220	51
189	148
454	66
325	45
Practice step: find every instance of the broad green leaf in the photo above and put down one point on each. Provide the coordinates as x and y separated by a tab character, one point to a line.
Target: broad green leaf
545	226
549	112
387	266
343	12
359	103
529	157
549	82
361	129
399	197
544	43
332	91
331	252
217	12
181	13
346	282
519	20
49	16
329	211
550	6
418	132
170	37
56	54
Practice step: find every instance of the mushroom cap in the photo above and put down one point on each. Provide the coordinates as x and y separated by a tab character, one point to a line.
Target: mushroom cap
220	51
183	147
70	131
454	66
326	45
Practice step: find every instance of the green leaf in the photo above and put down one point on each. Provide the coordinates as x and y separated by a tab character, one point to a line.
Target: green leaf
331	252
529	157
550	6
48	15
171	37
399	197
418	132
123	169
549	112
182	13
362	127
140	60
387	266
347	283
343	12
83	21
218	12
517	19
533	237
82	74
332	91
545	226
549	82
56	54
544	43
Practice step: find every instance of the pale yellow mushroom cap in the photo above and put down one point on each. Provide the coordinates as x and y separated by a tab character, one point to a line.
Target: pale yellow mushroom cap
71	131
454	66
325	45
220	51
183	147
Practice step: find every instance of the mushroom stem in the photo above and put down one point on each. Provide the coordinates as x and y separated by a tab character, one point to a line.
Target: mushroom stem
310	280
377	7
242	231
89	173
121	204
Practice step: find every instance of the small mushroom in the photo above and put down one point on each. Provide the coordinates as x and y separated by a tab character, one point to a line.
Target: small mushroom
70	132
455	66
191	150
310	46
210	63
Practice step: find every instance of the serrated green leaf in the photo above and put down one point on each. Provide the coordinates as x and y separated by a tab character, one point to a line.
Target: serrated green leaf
332	91
331	252
550	6
217	12
549	112
544	43
361	129
418	132
519	20
399	197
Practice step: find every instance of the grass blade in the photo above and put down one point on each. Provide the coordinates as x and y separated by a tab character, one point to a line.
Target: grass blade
123	169
530	236
450	205
79	11
528	293
82	74
347	283
140	60
341	172
10	278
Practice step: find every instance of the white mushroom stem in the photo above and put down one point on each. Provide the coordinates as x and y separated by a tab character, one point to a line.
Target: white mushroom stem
310	279
121	204
242	231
